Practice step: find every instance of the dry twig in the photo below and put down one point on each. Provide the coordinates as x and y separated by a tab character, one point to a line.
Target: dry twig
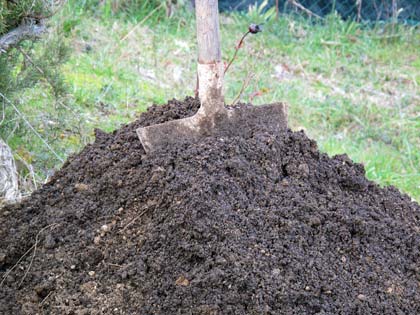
134	220
301	7
25	254
34	253
142	21
15	265
245	84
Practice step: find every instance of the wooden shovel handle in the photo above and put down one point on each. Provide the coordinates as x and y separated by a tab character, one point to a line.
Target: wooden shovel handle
208	33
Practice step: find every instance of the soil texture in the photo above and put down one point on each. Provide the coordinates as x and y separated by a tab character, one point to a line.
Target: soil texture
256	224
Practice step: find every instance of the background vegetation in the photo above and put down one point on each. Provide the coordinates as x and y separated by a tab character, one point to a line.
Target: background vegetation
354	87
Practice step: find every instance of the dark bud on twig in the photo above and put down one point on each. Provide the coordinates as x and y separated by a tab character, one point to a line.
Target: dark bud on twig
255	28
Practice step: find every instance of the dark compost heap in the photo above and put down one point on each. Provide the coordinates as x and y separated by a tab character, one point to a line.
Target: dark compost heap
262	224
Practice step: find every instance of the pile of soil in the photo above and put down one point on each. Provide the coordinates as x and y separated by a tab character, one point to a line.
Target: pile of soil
260	224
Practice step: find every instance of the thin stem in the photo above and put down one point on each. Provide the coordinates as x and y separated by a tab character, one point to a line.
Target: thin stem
236	51
245	84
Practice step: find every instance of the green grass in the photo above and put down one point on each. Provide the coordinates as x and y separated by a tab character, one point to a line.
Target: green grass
352	87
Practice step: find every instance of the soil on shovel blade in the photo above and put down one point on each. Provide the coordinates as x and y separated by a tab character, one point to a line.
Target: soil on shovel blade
262	224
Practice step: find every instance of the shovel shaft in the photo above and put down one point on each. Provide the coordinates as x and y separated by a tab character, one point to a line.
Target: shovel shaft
210	67
208	34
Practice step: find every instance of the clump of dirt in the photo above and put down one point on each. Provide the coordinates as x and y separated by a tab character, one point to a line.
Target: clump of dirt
260	224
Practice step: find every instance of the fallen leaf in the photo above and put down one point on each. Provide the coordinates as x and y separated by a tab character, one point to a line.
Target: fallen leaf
182	281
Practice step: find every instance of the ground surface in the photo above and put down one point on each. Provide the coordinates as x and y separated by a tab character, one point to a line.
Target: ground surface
259	225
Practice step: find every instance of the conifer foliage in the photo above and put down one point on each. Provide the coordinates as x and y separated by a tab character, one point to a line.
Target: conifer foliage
22	22
32	48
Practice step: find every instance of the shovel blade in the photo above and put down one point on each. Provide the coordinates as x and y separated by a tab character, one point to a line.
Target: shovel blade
235	122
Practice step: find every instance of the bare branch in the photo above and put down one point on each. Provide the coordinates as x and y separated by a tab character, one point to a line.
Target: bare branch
301	7
31	30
